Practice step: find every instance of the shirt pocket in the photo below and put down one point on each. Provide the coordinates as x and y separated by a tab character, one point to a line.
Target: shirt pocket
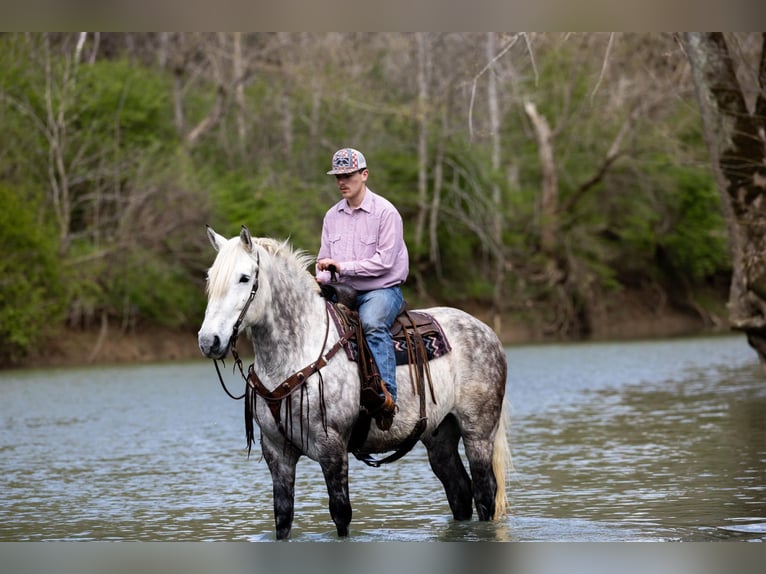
368	242
336	246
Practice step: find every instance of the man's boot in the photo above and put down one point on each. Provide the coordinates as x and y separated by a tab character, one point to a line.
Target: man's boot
384	417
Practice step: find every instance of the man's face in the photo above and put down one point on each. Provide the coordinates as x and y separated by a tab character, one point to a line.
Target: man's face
351	185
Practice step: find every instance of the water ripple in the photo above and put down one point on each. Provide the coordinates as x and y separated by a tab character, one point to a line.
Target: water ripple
655	441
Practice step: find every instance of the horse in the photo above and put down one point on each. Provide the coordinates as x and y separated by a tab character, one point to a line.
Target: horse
264	287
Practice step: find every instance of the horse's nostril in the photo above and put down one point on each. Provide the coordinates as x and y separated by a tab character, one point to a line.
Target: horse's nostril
209	346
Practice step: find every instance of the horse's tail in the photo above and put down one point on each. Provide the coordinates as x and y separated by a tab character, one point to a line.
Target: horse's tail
501	463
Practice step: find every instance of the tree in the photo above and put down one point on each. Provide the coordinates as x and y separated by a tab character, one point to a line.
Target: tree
734	131
30	278
497	197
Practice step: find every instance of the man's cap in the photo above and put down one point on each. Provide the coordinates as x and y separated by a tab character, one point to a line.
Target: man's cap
347	160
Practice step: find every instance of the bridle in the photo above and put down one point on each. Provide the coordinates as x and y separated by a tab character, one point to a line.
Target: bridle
235	333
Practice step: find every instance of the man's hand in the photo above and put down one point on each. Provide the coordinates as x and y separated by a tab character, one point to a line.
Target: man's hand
324	264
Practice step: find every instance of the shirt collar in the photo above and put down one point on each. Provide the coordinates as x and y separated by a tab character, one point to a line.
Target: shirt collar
365	206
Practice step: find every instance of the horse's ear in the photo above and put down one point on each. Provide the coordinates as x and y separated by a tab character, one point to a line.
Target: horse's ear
247	239
215	240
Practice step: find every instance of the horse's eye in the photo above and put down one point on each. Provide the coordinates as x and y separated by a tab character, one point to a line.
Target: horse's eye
244	279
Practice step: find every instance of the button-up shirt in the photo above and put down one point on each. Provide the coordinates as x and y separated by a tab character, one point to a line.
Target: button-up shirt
367	242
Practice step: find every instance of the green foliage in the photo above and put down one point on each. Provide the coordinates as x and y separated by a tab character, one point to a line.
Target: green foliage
270	204
31	294
654	215
86	291
125	105
148	288
22	142
696	243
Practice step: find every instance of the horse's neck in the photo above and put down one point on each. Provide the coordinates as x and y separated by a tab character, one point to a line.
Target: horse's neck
292	329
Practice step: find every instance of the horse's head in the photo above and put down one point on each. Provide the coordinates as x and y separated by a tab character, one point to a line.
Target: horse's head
233	288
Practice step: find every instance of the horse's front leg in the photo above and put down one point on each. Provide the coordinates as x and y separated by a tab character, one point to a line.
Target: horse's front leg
334	463
282	461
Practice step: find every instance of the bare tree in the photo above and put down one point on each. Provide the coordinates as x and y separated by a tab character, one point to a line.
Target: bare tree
497	197
549	233
214	58
239	90
424	65
59	100
734	132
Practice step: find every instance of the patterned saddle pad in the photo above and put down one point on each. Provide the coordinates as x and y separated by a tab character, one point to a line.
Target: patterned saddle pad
434	339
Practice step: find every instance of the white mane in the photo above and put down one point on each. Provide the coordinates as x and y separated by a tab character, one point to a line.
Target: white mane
285	251
225	263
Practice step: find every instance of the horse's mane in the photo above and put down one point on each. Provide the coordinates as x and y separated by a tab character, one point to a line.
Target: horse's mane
284	250
223	266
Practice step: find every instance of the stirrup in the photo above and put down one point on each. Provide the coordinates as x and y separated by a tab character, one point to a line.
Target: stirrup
381	408
371	400
384	417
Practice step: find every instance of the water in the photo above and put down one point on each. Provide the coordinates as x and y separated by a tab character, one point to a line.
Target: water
657	441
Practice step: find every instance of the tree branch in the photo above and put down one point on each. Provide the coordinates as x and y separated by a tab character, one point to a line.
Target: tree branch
611	156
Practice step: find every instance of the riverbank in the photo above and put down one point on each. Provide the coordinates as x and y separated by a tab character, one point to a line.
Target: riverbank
625	319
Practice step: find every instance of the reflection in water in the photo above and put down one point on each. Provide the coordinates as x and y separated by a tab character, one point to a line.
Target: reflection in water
670	458
678	459
630	441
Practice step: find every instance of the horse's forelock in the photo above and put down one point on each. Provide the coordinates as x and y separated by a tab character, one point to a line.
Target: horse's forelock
223	267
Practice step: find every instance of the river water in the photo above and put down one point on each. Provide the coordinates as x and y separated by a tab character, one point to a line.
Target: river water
638	441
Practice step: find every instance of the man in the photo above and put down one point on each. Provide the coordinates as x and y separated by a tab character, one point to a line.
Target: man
362	237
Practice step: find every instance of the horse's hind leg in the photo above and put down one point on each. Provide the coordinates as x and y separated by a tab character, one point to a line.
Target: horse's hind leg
335	469
282	462
442	446
479	454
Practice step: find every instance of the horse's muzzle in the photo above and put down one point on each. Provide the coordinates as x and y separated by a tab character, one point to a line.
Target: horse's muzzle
212	347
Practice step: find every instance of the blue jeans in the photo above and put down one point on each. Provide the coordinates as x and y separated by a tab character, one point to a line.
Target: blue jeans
377	312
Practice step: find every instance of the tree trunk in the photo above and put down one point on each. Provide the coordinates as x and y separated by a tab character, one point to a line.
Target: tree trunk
549	198
287	118
422	103
59	96
239	90
179	70
497	216
735	139
434	256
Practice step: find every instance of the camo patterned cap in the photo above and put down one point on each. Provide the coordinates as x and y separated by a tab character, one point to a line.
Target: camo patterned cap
347	160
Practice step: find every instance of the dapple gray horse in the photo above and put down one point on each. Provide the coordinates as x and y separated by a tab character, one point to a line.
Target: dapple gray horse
264	286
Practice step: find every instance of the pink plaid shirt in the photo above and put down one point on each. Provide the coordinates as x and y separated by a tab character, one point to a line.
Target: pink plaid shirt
367	242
